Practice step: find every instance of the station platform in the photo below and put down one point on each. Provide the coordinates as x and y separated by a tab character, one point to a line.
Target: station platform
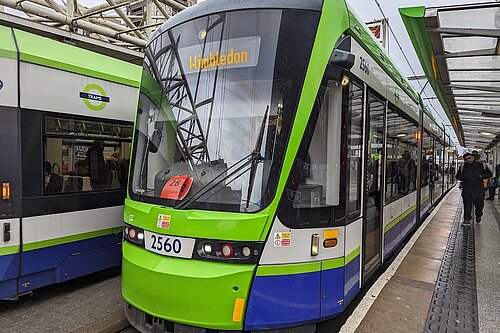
445	280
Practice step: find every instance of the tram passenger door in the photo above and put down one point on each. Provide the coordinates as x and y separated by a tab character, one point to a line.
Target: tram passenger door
433	172
374	170
10	221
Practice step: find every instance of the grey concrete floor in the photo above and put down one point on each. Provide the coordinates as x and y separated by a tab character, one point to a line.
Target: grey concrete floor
75	305
403	303
487	239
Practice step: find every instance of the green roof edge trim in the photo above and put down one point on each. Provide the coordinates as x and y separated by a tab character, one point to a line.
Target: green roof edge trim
47	52
413	19
7	46
365	37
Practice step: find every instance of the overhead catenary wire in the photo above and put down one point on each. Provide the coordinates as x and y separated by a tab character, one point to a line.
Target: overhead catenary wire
408	61
398	43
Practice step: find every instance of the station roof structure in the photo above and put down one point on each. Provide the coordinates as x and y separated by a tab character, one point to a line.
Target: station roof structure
459	49
123	24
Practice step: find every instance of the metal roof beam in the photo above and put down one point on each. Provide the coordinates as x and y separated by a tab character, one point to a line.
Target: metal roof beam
475	81
102	6
102	10
466	32
128	21
142	27
174	4
161	9
467	54
477	95
479	88
65	19
470	109
491	115
57	7
82	41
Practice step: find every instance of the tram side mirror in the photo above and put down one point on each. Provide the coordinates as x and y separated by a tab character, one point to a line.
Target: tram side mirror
342	59
154	141
340	62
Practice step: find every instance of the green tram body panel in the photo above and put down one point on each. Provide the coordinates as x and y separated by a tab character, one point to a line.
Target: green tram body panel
200	293
198	224
50	53
8	46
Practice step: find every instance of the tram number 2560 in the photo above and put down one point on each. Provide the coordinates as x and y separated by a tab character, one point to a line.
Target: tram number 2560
364	65
165	244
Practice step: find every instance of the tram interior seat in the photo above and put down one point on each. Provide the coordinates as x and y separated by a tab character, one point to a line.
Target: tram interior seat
55	184
308	195
76	183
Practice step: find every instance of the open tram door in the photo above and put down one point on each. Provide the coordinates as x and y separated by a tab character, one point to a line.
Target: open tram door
373	182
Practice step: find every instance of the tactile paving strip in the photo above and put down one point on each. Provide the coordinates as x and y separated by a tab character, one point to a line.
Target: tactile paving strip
454	303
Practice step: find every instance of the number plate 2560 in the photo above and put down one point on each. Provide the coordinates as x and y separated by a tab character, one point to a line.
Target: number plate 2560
169	245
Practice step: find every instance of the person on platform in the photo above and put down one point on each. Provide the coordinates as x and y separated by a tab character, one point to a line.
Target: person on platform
98	171
471	174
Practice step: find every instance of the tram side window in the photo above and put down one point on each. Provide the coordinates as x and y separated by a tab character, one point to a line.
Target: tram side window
427	158
438	158
355	145
312	195
402	148
85	155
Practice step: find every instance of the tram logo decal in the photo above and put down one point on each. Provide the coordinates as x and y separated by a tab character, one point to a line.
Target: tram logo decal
94	97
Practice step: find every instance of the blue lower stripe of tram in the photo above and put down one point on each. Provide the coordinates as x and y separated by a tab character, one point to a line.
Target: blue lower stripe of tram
59	263
297	299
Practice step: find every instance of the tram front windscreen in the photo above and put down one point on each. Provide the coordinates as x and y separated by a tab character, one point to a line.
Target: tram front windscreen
218	98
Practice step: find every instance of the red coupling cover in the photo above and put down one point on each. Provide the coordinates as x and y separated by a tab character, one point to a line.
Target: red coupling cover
176	187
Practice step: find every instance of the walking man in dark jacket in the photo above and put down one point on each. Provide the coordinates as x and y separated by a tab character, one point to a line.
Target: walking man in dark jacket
472	174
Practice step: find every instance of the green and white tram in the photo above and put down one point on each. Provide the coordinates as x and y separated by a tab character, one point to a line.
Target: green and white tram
274	167
62	206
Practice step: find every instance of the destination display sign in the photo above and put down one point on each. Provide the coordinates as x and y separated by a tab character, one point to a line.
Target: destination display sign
229	53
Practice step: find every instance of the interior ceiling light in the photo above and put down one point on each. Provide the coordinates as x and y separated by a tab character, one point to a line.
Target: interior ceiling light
487	134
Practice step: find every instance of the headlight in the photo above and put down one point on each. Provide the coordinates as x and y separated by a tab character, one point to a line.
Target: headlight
228	251
133	235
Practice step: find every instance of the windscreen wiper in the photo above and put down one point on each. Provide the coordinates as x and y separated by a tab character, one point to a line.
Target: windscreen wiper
242	164
248	162
256	157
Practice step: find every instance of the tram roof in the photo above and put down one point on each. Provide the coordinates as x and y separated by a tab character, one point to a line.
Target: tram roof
459	48
215	6
67	51
356	26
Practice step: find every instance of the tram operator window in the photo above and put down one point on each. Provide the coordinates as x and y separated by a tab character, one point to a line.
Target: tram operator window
85	155
313	191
